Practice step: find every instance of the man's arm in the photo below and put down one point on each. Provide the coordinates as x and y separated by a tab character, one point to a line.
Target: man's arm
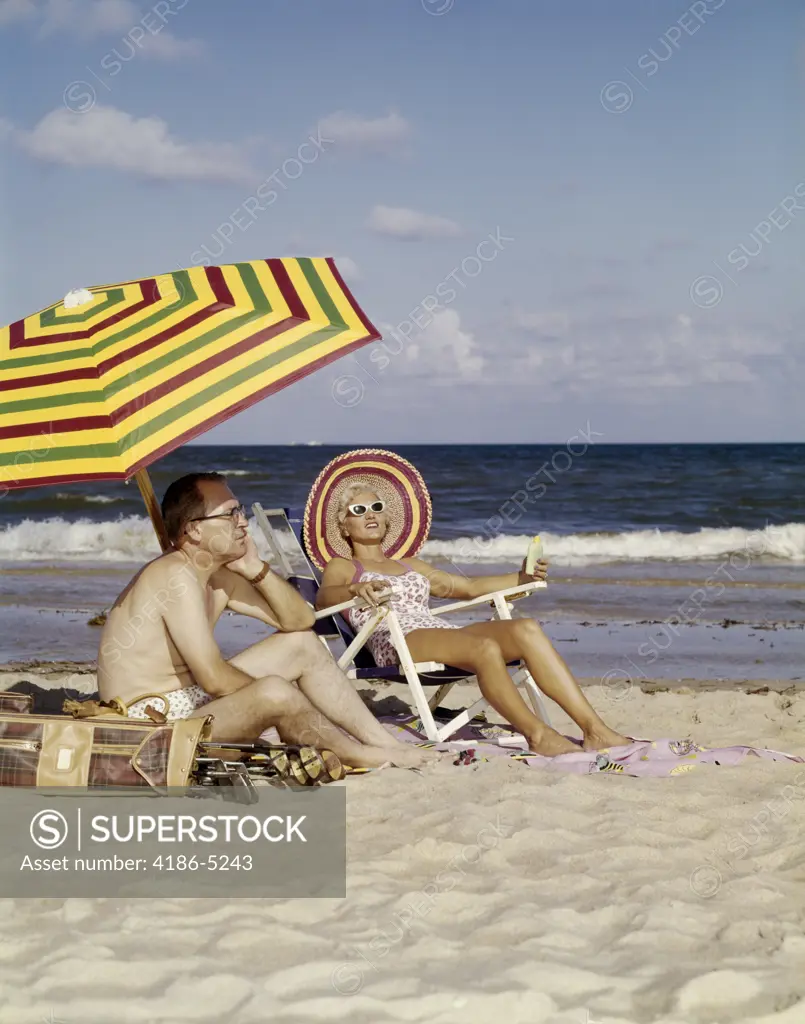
186	621
271	600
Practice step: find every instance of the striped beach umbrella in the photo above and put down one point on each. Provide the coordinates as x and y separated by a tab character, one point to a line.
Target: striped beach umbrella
105	382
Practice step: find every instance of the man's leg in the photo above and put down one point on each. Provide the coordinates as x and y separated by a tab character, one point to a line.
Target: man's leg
304	658
273	701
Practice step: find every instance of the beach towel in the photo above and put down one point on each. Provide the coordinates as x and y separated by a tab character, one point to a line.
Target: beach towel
659	757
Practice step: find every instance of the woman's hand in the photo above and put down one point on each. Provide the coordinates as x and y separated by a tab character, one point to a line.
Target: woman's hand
369	591
540	573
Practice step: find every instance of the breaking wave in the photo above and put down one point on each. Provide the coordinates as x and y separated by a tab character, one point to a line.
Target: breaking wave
92	499
132	539
786	542
128	539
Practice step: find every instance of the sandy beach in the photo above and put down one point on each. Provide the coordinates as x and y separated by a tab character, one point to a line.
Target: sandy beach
483	892
463	296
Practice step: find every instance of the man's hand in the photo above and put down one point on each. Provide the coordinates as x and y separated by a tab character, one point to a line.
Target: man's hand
540	572
369	591
250	564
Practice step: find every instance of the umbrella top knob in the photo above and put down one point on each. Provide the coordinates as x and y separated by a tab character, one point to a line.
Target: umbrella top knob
77	297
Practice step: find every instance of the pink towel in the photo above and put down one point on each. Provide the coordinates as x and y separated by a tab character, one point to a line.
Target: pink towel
642	757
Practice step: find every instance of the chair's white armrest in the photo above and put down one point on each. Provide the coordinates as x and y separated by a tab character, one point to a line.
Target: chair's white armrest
356	602
520	591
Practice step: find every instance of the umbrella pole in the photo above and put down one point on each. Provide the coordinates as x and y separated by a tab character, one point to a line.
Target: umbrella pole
152	505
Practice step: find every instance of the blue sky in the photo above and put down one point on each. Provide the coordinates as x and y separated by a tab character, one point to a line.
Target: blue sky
641	163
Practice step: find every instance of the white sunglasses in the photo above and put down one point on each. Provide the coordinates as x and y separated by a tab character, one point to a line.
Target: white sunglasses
361	510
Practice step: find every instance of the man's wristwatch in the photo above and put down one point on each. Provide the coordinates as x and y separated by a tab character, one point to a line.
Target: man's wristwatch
261	575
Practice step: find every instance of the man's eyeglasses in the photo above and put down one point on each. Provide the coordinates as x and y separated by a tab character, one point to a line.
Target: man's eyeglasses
361	510
231	514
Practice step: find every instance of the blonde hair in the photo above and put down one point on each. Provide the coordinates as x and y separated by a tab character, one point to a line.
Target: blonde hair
348	494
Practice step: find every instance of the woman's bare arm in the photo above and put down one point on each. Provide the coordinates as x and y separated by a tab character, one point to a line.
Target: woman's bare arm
465	588
337	586
335	582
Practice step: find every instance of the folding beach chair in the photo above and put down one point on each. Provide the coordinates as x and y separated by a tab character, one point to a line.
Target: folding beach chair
282	529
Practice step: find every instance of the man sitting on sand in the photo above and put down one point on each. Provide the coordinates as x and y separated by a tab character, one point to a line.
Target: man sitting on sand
158	639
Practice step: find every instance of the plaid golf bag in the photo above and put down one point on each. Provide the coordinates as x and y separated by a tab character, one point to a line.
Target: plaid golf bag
58	750
94	744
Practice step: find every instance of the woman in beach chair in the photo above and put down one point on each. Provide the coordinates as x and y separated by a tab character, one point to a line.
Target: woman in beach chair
359	523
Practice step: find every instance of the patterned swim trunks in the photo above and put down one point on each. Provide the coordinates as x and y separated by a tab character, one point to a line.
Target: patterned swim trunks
181	703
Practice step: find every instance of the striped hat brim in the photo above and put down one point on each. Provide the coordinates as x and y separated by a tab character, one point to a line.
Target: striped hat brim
392	478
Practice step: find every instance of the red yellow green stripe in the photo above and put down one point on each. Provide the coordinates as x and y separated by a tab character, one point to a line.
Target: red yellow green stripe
213	341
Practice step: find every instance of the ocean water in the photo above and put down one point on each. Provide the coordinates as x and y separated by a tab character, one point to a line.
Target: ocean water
626	503
631	532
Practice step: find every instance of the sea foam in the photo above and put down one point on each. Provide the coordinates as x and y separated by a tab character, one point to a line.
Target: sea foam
132	539
783	542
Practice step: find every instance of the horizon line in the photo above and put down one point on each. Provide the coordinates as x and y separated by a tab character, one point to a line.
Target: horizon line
462	444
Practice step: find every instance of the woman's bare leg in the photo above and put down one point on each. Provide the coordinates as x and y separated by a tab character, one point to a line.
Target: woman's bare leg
524	638
482	656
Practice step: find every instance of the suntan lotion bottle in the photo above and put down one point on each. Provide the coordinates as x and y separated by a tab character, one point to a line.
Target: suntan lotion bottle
534	555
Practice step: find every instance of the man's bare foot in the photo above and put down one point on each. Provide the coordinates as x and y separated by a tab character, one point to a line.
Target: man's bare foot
603	737
403	755
369	757
550	743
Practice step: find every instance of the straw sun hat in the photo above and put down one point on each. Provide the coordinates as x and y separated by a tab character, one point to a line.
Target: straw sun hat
393	479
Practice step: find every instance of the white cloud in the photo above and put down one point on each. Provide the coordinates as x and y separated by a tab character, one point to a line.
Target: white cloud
166	46
348	269
636	355
378	135
88	18
547	324
16	10
726	372
445	352
400	222
108	137
139	29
